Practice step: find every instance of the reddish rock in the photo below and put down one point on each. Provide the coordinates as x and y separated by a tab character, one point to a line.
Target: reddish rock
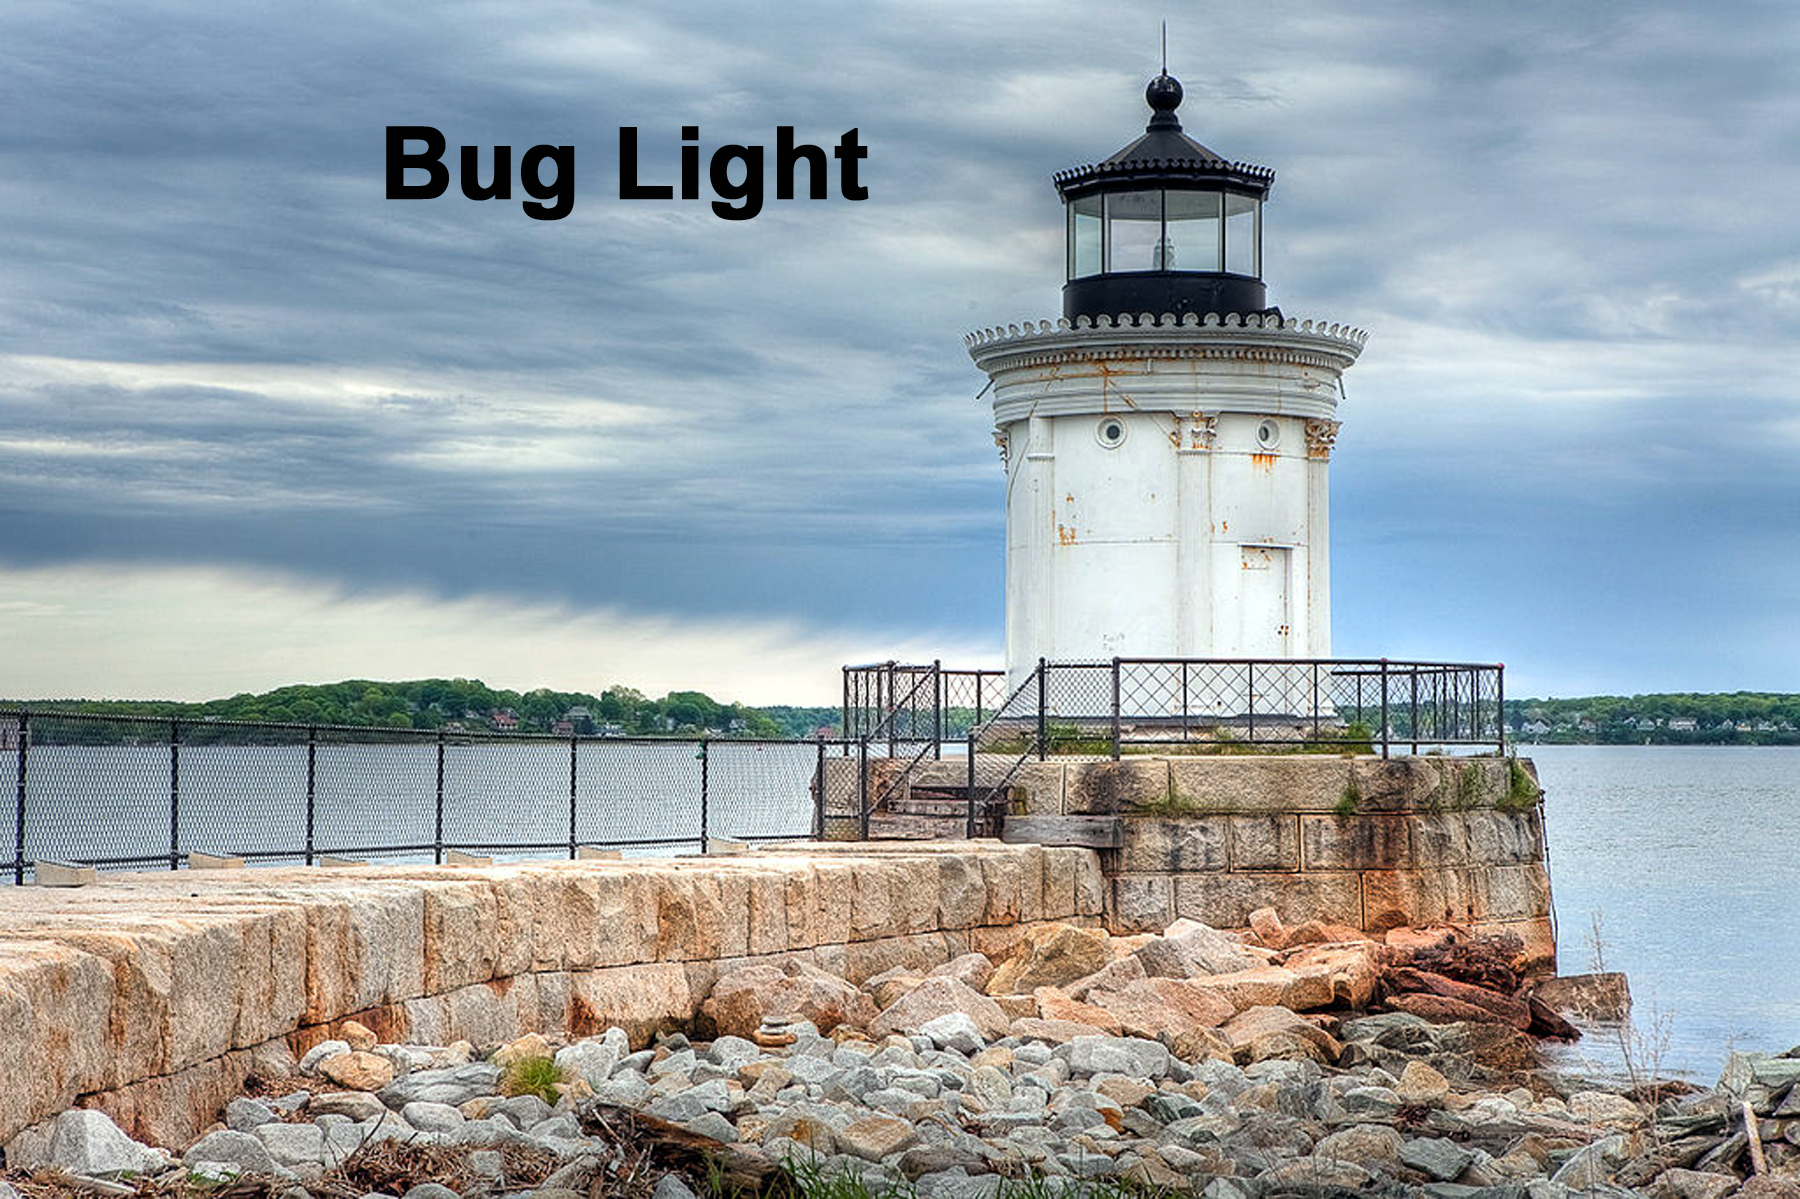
1592	996
742	1000
358	1071
1053	1032
1274	1032
1504	1008
1500	1047
1546	1023
972	970
1152	1007
1439	1009
1352	970
1050	955
939	997
1052	1004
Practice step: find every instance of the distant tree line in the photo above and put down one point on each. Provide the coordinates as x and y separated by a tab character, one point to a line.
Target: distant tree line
1672	718
472	705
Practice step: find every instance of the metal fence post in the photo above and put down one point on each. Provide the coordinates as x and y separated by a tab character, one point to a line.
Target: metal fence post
703	796
819	796
862	788
1499	687
1043	729
1384	708
937	709
1115	709
174	795
573	844
971	787
1250	701
312	746
437	834
846	727
19	825
1413	674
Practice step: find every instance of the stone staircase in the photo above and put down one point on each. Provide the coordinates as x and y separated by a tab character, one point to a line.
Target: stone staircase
933	813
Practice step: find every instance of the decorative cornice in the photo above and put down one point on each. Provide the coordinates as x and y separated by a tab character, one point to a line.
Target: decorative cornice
1166	323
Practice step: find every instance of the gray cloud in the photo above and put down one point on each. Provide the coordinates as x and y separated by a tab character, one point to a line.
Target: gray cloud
1569	230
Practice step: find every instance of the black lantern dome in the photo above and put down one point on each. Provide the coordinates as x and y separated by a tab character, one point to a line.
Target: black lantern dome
1164	225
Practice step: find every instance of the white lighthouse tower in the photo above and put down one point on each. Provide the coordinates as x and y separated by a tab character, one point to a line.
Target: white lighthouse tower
1167	442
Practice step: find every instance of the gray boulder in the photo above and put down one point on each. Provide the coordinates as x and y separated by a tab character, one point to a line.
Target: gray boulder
240	1150
455	1085
88	1142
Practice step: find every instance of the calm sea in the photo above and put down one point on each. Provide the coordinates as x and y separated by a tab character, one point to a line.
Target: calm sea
1689	858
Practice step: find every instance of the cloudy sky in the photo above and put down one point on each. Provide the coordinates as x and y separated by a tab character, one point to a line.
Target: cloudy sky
260	424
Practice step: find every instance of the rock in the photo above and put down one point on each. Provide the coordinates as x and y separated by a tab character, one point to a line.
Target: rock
318	1053
1588	996
1316	1172
1546	1023
1131	1056
1272	986
241	1114
1411	940
293	1144
1051	1003
1422	1086
1201	1044
357	1105
454	1086
1320	932
240	1150
1498	1047
430	1190
972	970
1439	1009
1153	1007
1692	1184
1351	971
87	1142
1504	1008
875	1137
525	1048
1266	924
1051	1032
1110	977
1365	1144
742	1000
1444	1160
433	1117
591	1061
357	1036
1195	952
358	1071
1050	955
954	1030
890	985
1603	1107
669	1186
1259	1033
938	997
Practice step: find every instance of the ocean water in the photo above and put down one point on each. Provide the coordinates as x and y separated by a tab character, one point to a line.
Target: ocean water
1688	858
87	803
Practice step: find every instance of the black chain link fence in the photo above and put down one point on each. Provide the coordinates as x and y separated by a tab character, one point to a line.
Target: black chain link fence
126	792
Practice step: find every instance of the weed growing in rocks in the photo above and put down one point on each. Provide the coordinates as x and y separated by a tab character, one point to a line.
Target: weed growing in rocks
1522	791
532	1076
1348	799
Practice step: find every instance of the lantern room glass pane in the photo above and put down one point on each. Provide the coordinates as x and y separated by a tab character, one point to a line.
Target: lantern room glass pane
1134	231
1243	235
1084	237
1193	231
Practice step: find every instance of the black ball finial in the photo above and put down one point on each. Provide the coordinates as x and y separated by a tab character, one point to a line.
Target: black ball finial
1164	93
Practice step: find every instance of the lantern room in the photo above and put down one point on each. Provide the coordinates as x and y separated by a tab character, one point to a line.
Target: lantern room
1165	225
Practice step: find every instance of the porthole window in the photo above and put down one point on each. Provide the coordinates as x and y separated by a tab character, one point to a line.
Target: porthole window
1268	435
1110	432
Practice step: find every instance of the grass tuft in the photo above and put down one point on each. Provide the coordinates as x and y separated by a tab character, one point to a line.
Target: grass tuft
1348	799
532	1076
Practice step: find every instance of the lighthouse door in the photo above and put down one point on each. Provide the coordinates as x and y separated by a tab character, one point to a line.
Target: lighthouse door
1264	617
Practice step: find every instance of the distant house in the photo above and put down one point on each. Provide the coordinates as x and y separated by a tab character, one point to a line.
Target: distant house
563	728
1683	724
1588	726
505	720
581	720
824	733
1645	724
1537	728
1765	726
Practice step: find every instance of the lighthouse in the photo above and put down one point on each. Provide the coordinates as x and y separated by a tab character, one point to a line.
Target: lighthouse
1167	442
